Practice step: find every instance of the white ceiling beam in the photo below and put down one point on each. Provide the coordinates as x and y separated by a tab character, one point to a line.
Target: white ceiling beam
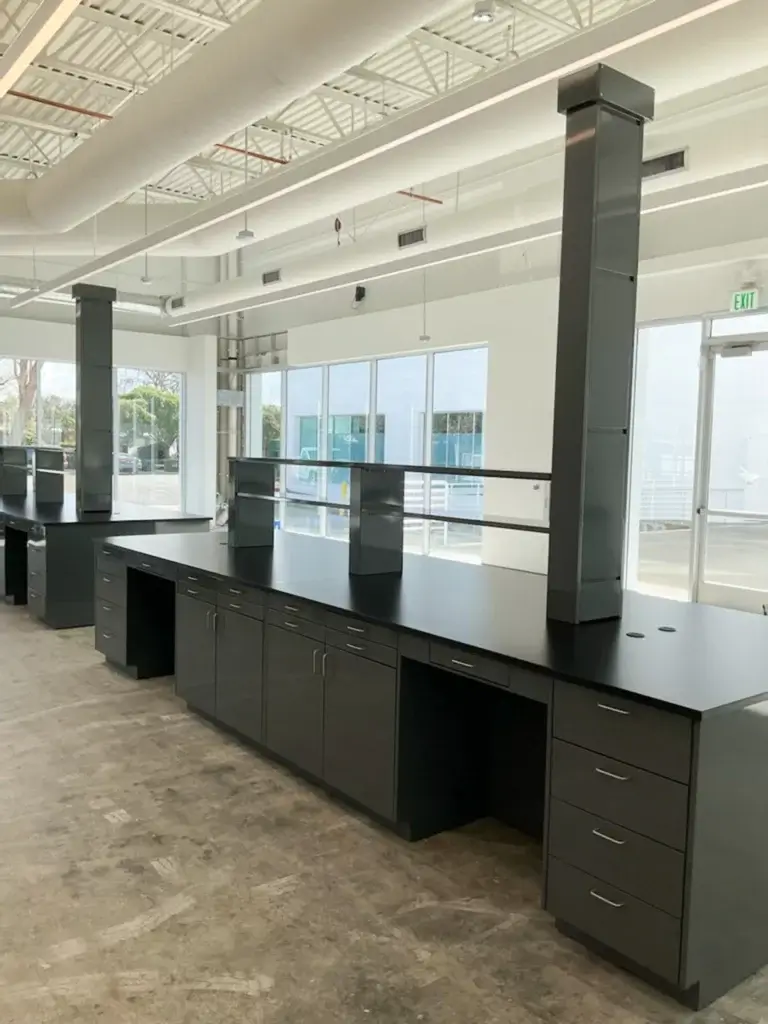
292	130
428	74
36	33
61	70
333	92
117	21
543	17
189	14
42	126
367	75
574	8
465	53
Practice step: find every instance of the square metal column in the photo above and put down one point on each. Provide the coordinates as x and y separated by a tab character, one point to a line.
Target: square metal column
95	449
251	504
606	112
376	502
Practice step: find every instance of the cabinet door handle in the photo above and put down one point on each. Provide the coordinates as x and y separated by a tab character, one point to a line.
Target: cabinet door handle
291	608
355	629
355	647
461	664
237	593
33	593
325	660
208	619
235	607
315	653
191	592
108	636
193	579
612	775
291	625
215	621
608	839
32	573
615	711
106	579
106	608
604	899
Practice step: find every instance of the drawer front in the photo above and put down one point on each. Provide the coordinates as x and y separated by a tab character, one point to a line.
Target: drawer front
36	603
359	630
109	618
239	605
111	643
647	936
156	566
204	580
110	562
363	648
296	624
468	663
36	577
110	587
618	792
197	591
646	869
36	558
648	737
240	592
283	604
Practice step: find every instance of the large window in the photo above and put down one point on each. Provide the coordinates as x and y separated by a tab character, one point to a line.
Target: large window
409	410
56	413
148	438
19	383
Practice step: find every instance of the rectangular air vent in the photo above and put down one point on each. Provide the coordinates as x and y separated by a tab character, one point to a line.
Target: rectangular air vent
665	164
413	237
271	276
177	303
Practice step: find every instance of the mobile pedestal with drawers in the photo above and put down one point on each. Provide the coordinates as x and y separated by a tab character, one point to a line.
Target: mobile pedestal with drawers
637	749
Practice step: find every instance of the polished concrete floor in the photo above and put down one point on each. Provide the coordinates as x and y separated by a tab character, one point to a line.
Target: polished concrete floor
153	870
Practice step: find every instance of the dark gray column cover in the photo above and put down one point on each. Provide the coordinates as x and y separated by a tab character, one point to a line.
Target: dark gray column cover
94	466
606	112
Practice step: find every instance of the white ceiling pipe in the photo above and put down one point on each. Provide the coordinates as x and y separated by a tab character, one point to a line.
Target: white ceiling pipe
33	37
662	230
275	54
490	117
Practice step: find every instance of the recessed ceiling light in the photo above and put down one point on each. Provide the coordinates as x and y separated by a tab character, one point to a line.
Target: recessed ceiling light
485	11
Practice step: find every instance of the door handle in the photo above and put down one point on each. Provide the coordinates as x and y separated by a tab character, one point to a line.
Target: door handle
315	653
325	660
215	621
208	619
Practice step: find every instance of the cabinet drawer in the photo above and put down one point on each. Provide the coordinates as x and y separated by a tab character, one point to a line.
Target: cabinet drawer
36	578
618	792
36	558
283	603
195	578
240	592
365	630
110	562
156	566
197	591
241	606
296	624
110	587
109	617
36	603
111	643
626	729
363	648
646	869
647	936
467	662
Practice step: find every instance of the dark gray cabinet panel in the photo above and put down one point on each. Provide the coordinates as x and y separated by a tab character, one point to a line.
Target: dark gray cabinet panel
646	803
239	688
648	936
294	698
360	727
196	653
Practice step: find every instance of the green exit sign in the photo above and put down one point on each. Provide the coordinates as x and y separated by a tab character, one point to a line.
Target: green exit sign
745	300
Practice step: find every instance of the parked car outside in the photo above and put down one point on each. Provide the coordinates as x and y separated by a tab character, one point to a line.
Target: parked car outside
127	463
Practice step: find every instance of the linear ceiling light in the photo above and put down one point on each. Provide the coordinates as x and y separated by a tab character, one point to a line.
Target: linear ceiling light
33	38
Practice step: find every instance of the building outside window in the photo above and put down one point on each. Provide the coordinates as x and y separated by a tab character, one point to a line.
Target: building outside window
148	437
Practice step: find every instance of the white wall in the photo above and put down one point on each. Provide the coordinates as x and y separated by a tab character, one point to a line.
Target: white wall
194	357
519	325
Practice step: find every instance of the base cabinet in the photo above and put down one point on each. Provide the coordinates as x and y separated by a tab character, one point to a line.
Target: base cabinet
359	734
239	677
196	653
294	698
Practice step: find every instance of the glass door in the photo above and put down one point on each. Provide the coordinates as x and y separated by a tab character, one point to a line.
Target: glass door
730	550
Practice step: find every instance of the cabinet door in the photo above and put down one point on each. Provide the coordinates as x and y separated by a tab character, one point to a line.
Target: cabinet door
239	691
196	653
359	758
294	698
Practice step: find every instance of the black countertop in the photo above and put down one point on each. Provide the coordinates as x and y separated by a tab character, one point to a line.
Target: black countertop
715	658
66	512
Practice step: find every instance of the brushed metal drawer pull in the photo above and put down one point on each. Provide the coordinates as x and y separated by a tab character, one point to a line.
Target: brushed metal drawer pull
235	607
291	608
106	608
315	653
193	579
616	711
608	839
325	662
145	565
355	629
604	899
355	647
31	573
237	593
106	579
461	664
191	592
108	636
612	775
291	625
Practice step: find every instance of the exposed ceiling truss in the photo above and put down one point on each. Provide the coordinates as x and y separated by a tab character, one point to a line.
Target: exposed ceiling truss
111	50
